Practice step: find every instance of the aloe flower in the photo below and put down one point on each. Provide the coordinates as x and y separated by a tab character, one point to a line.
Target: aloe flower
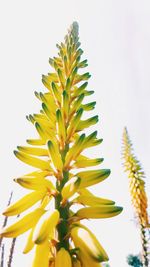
137	190
62	171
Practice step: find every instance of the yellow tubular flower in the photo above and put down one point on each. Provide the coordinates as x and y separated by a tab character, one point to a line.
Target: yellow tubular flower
45	225
29	244
63	257
42	255
88	243
62	170
137	190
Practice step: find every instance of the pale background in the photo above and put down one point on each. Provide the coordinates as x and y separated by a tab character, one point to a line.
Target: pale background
115	37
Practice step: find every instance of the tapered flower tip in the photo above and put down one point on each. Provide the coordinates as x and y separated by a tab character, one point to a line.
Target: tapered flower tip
99	212
75	30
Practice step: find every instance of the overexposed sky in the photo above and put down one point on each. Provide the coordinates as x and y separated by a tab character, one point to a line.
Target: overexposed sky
115	37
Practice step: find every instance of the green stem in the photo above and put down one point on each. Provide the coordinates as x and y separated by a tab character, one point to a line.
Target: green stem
62	227
144	247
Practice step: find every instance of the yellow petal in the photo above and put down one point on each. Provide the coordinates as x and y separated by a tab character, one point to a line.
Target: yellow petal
33	150
88	243
70	188
79	90
105	211
55	155
63	256
43	133
35	162
22	225
56	93
36	142
89	178
83	162
41	256
75	150
87	123
77	104
74	124
45	226
65	105
29	244
61	78
60	126
24	203
93	201
35	183
90	106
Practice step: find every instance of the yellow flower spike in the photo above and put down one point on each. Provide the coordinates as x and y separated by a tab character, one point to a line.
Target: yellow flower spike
55	155
23	224
136	180
70	188
74	124
87	242
24	203
137	191
98	212
35	162
74	150
89	178
60	127
42	255
45	225
33	150
29	244
63	256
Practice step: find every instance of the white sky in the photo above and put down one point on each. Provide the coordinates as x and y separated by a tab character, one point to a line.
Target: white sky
115	37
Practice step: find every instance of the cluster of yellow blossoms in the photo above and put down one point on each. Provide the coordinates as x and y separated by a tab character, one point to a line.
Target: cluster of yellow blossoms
138	194
57	185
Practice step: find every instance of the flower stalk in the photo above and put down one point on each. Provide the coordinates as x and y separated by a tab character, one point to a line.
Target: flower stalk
62	171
